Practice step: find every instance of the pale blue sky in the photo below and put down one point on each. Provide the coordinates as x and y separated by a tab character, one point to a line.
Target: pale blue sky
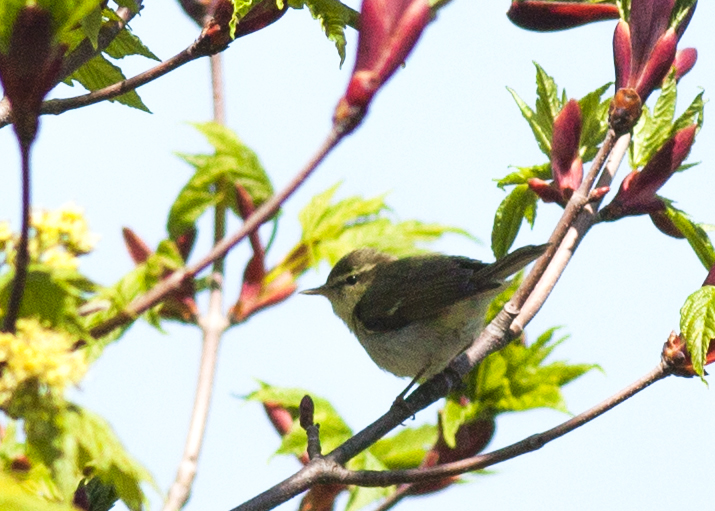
434	138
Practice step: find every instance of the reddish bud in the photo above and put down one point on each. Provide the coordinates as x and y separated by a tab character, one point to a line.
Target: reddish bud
196	9
710	279
624	111
81	499
545	191
30	67
566	166
675	355
138	250
244	202
258	296
389	29
636	195
545	16
658	64
622	54
684	61
260	16
279	416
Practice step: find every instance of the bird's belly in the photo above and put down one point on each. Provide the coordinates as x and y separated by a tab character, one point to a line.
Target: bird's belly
427	344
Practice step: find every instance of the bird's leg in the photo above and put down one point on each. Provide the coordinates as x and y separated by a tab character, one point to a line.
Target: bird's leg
400	399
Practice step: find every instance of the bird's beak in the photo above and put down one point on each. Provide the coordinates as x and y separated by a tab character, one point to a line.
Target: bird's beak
315	291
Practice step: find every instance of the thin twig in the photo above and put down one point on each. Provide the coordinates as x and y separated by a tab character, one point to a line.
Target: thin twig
253	222
323	471
213	324
22	255
573	237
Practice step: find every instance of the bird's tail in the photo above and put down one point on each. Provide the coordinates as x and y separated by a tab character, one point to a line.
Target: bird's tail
512	263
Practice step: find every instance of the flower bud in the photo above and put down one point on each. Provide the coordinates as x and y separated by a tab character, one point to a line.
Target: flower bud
546	16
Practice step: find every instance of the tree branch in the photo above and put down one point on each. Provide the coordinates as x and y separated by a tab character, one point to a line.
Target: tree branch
213	325
325	471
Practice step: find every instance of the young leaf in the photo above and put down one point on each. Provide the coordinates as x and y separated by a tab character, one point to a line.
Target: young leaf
697	325
695	234
692	114
656	128
406	449
548	104
542	134
334	17
126	43
523	174
98	73
594	124
214	179
519	204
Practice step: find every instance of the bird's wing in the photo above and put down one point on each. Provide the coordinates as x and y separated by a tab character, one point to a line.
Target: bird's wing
418	288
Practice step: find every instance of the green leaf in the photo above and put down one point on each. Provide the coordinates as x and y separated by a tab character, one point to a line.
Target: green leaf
334	16
548	104
523	174
513	379
594	121
519	204
99	73
697	325
214	179
15	497
91	25
692	115
694	233
333	430
541	134
332	230
657	127
126	43
407	448
52	296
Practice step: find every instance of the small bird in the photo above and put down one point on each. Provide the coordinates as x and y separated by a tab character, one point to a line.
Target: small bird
414	315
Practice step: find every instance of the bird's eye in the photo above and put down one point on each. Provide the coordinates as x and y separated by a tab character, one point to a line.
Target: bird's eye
351	280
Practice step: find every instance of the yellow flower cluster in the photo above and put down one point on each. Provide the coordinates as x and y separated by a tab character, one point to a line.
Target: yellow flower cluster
40	355
57	237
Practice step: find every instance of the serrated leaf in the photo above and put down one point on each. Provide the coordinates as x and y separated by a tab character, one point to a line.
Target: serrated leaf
692	115
519	204
542	136
332	230
513	379
695	234
215	177
91	24
657	130
406	449
98	73
334	17
523	174
594	122
126	43
697	325
548	104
